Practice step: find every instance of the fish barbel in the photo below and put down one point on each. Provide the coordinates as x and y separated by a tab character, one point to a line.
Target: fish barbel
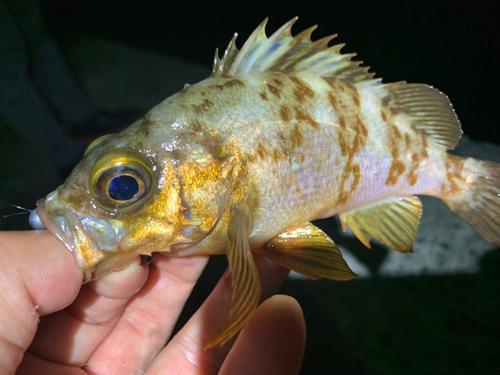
283	132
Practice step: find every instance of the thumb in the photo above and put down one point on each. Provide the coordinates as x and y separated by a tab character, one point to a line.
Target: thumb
37	266
37	277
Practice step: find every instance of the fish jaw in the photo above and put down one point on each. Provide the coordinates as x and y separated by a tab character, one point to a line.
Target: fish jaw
89	239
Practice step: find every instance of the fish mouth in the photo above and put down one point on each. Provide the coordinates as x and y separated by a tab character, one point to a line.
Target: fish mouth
88	238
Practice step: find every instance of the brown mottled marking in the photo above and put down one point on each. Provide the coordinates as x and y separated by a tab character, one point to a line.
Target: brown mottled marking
146	125
345	195
231	83
342	143
385	101
453	186
306	117
396	170
296	137
384	116
357	177
196	126
276	154
301	91
278	82
397	167
357	143
454	165
200	109
261	150
342	121
412	175
263	95
355	96
361	127
396	132
248	157
274	90
285	113
424	146
407	141
216	144
333	101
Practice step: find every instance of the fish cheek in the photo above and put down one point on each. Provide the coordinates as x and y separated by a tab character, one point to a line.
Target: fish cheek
159	224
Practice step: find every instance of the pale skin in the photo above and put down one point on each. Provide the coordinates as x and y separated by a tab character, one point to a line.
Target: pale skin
121	323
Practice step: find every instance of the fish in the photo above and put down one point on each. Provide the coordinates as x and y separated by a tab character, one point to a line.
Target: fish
283	132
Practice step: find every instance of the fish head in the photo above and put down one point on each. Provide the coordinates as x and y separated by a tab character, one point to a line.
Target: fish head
127	198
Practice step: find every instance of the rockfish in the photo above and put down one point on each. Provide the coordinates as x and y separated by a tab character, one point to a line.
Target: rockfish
283	132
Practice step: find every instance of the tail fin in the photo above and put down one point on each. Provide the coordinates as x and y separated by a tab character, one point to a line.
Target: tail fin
479	205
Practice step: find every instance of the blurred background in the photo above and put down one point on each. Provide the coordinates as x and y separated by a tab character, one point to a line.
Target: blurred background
433	311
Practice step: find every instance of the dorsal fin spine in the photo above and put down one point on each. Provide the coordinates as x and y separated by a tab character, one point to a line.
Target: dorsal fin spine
428	110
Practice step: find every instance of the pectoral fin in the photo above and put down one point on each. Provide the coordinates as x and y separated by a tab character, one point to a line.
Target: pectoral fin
310	252
393	221
244	275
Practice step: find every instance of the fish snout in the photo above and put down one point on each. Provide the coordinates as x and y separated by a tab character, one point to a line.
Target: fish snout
35	221
87	237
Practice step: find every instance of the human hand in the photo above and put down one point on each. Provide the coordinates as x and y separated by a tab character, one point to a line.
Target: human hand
120	323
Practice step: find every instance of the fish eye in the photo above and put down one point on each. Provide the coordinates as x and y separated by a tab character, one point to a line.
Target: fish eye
123	188
120	180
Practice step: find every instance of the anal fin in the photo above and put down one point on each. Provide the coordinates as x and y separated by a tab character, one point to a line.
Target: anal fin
309	251
244	276
393	221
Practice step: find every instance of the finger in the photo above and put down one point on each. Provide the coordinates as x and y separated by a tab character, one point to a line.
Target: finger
43	266
38	276
149	319
34	365
186	353
272	343
72	335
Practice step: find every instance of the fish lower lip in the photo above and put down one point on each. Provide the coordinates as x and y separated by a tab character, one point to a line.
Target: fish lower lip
40	214
35	221
46	223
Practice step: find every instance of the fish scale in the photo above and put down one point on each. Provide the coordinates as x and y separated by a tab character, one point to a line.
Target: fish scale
284	131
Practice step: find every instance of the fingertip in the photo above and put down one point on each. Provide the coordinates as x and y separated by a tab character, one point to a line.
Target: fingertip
273	341
286	308
283	315
122	284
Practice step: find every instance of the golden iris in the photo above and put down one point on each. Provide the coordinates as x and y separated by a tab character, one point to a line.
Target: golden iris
120	180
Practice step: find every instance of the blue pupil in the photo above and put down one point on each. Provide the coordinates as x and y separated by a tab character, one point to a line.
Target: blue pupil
123	188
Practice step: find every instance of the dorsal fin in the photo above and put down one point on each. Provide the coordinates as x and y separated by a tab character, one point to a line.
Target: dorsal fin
285	53
429	111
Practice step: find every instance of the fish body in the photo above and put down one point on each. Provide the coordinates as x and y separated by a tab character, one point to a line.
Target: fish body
283	132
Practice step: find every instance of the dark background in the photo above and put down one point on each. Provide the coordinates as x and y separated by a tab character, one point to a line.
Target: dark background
413	325
451	44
